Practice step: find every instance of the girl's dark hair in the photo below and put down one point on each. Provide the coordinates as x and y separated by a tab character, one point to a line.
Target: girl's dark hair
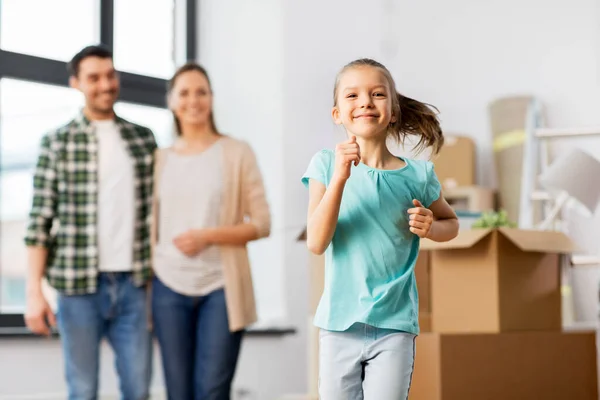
190	66
412	116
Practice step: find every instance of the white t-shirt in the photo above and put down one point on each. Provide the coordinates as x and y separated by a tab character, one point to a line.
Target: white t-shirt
190	197
116	199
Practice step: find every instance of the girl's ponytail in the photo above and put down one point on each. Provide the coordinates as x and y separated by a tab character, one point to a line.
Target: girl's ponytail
416	118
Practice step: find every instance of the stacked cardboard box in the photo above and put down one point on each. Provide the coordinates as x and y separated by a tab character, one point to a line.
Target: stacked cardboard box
317	281
494	303
455	167
455	163
517	366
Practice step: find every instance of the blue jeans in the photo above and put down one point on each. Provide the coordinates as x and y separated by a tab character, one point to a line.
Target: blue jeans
199	353
117	311
365	362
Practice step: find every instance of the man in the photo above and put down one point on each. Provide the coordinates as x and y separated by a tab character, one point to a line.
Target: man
88	234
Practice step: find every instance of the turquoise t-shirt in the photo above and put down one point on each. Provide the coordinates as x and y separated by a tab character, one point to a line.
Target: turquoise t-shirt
369	265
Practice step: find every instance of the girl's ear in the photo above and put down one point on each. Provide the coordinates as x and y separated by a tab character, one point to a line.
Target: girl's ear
335	114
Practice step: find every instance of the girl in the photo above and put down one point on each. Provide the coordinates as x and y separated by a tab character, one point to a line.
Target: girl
367	211
209	203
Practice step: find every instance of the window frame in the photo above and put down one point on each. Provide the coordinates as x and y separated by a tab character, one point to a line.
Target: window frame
135	88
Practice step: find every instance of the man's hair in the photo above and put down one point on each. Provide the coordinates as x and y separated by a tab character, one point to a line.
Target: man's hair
89	51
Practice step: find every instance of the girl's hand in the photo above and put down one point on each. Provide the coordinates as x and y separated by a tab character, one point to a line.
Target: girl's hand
346	153
420	219
192	242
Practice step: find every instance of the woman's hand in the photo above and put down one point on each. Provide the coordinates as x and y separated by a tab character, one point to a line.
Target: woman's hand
192	242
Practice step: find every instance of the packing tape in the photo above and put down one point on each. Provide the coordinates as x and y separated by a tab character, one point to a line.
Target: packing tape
509	139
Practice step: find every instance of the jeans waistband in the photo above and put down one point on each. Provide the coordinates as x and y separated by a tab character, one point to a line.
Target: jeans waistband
116	276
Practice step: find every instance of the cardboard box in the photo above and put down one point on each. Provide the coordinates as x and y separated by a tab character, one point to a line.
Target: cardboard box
470	198
424	321
316	275
497	280
317	280
515	366
422	276
316	285
313	357
455	163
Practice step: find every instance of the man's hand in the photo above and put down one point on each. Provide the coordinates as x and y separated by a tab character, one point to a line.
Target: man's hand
39	316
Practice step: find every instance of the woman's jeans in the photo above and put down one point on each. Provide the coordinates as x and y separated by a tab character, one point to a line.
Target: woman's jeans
199	353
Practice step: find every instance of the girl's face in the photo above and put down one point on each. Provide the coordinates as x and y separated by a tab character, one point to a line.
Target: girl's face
191	99
364	102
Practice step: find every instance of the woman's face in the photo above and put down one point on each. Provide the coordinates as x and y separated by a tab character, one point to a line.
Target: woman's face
191	99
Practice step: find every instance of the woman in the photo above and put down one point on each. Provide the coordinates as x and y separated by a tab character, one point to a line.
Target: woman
209	202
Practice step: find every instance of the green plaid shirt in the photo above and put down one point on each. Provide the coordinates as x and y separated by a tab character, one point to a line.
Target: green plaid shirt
63	215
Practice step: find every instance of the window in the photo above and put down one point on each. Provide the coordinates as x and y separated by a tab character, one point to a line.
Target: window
148	49
15	198
27	110
18	24
147	43
159	120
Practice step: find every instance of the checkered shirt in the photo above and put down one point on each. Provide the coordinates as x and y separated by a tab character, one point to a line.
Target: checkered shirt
63	215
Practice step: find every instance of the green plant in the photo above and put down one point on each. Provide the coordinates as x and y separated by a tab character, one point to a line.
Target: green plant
493	219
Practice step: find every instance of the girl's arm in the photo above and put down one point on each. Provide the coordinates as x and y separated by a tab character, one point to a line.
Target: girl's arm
323	210
438	223
445	222
324	202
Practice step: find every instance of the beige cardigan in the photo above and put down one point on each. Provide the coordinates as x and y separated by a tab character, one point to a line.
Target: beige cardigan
243	201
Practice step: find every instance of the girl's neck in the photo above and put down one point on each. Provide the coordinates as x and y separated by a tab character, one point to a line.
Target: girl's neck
375	153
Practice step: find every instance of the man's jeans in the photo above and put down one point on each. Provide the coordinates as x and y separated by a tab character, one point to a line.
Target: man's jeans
118	312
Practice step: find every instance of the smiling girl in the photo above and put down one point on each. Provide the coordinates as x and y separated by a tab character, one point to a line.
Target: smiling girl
368	210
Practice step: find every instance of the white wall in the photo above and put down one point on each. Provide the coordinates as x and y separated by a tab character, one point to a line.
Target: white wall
273	64
463	54
459	56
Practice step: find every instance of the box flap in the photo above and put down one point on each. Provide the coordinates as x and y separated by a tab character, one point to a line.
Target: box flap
542	241
464	240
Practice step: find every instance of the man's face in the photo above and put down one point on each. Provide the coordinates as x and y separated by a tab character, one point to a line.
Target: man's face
99	83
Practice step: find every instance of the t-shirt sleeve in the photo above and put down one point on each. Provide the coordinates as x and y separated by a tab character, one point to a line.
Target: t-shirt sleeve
318	168
432	186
